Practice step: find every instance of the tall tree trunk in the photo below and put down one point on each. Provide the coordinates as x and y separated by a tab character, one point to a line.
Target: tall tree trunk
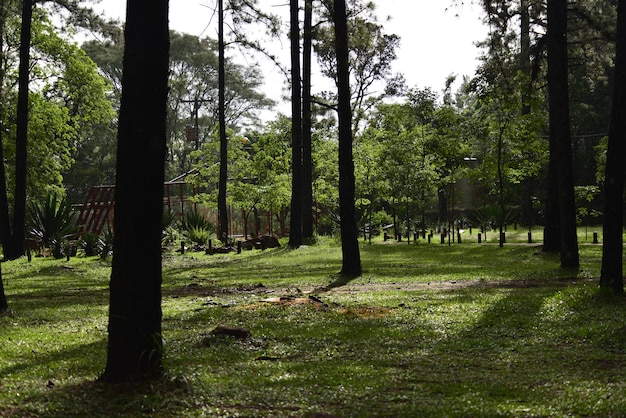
295	225
560	129
527	184
525	62
442	204
222	209
14	246
501	186
5	219
307	158
135	348
552	228
611	275
351	263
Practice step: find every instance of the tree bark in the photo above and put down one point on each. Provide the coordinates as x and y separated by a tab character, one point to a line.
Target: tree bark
560	130
351	262
222	209
13	244
307	158
135	347
551	232
527	184
611	275
5	217
295	224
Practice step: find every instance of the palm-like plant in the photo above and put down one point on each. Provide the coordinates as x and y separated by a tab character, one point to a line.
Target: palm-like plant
52	222
90	243
196	227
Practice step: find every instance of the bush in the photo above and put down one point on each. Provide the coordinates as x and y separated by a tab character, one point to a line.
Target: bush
52	222
196	227
106	242
169	233
90	243
198	236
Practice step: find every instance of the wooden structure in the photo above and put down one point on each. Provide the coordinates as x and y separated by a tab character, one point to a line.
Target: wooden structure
97	210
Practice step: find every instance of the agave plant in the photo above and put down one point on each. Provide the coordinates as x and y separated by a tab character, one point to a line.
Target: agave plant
168	233
90	243
106	242
52	222
196	227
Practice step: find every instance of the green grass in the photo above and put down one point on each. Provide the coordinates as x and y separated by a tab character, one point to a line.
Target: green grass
428	330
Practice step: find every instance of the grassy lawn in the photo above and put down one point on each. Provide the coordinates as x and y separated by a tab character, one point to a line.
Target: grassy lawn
428	330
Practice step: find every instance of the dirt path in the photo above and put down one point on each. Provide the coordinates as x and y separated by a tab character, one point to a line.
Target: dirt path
408	286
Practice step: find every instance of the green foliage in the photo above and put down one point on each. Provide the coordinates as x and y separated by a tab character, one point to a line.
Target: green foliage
198	235
169	219
69	109
106	242
90	243
170	233
52	221
586	212
492	216
196	227
371	54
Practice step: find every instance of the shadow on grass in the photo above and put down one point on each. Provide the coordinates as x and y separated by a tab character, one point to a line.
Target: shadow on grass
165	397
340	280
39	362
525	352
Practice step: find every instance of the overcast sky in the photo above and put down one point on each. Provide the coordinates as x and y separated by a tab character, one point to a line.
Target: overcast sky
434	42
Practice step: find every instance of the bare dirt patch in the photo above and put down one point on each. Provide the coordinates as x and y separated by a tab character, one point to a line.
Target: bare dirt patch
463	284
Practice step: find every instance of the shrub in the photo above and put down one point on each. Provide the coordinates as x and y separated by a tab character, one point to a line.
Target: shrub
90	243
106	242
198	236
196	227
168	232
51	221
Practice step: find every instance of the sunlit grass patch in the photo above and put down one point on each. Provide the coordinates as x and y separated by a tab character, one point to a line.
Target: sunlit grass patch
428	330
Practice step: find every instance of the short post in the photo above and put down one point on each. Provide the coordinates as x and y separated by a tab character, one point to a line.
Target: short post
595	237
182	247
385	237
470	228
29	255
238	247
480	237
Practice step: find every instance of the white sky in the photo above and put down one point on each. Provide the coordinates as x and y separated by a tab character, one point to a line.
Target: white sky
434	42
